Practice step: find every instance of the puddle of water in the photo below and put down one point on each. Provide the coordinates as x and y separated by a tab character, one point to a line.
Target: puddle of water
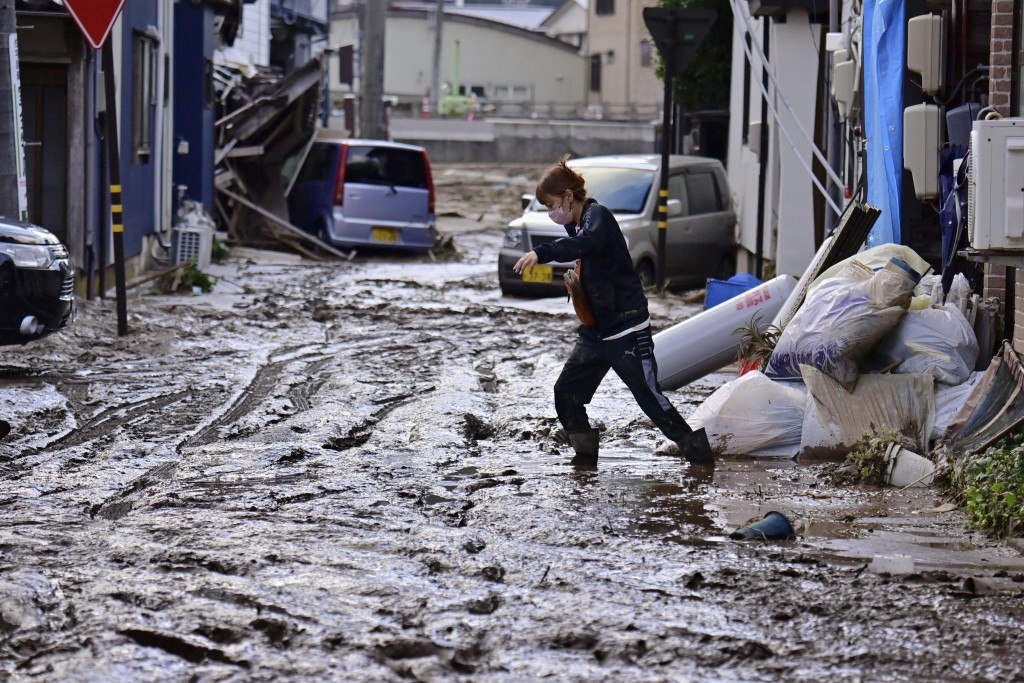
639	494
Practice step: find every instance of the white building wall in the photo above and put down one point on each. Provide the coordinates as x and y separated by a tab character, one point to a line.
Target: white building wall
794	56
743	159
252	45
789	233
507	65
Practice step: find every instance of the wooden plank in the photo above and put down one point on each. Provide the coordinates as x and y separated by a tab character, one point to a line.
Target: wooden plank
157	275
223	151
299	232
251	151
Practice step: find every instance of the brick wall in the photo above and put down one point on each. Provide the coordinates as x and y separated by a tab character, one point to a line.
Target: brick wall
1000	90
1018	326
1000	75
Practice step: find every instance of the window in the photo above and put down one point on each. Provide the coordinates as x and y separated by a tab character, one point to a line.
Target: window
318	163
702	193
645	53
622	190
143	96
605	7
677	190
388	166
595	73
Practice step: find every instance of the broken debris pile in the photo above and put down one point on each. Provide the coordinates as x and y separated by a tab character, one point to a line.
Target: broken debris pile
875	347
265	125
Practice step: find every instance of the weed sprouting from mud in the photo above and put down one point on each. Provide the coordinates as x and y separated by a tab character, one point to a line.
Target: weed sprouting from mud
991	487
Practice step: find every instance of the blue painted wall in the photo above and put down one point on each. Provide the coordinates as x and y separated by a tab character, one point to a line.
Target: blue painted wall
138	177
193	113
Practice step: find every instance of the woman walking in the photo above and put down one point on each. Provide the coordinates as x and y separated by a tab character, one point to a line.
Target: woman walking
620	337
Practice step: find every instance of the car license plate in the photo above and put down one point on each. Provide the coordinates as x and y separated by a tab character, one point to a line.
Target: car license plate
538	273
384	234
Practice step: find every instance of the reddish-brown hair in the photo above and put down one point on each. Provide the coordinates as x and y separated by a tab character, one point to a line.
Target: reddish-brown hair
558	178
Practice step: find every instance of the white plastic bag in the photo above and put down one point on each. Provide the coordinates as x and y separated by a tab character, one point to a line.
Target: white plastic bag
959	293
949	400
875	258
937	340
841	320
752	415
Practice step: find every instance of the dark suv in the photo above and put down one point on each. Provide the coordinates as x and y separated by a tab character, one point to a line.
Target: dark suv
37	283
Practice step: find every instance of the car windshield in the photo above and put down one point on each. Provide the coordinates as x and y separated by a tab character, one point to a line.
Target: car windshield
622	190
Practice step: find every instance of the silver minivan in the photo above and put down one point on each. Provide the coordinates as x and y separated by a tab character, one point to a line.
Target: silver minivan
365	193
700	237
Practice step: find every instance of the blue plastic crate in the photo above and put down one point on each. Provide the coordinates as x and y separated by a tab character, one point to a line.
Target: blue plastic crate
720	291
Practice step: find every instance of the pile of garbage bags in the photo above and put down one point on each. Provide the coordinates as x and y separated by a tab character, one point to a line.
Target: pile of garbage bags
876	346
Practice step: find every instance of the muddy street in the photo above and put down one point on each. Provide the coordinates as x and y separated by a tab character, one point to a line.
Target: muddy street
345	472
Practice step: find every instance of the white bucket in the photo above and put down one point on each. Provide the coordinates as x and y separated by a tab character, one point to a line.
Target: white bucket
907	468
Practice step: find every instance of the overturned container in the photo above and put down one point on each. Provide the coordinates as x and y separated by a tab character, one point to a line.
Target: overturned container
774	526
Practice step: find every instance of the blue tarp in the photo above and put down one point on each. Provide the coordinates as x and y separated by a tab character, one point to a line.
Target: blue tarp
884	63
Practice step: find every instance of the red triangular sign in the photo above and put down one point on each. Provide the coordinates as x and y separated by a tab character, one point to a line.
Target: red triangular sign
95	18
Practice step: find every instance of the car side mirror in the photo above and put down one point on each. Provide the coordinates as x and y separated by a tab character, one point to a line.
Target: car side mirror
526	199
675	208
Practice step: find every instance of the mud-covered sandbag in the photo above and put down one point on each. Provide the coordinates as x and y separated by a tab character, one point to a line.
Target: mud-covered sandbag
938	341
752	415
841	321
836	419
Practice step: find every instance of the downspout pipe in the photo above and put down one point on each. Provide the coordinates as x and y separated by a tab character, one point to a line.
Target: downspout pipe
763	149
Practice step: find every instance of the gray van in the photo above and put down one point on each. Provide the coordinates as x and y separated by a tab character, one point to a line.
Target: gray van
365	193
700	237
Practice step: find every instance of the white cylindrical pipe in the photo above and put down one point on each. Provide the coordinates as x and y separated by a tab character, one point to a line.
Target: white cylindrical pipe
705	343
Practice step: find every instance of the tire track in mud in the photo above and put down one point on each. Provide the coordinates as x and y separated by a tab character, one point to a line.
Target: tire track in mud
266	380
111	420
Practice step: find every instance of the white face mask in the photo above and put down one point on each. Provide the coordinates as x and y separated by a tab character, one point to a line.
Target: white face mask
560	215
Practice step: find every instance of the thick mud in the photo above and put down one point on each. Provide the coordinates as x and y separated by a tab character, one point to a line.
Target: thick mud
346	472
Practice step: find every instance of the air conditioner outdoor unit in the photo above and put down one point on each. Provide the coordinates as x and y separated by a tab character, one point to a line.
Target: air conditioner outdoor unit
995	191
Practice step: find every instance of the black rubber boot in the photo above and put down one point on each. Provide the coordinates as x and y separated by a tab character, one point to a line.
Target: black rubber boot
585	444
696	448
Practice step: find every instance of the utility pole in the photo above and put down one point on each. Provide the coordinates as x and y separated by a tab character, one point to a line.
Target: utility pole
371	78
678	32
12	160
435	77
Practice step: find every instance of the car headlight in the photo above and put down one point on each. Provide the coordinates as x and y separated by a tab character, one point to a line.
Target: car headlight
28	255
514	237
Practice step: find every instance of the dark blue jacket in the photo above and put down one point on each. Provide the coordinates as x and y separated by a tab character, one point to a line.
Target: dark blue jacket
616	295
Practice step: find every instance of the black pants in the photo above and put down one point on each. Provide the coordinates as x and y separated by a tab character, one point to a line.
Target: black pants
632	359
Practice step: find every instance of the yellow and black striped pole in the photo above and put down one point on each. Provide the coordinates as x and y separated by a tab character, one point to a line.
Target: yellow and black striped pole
666	146
114	169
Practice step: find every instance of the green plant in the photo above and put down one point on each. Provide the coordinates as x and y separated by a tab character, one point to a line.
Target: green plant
182	280
193	277
990	486
868	457
757	341
218	251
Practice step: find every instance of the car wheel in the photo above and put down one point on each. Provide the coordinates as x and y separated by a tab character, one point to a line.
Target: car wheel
645	271
510	289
